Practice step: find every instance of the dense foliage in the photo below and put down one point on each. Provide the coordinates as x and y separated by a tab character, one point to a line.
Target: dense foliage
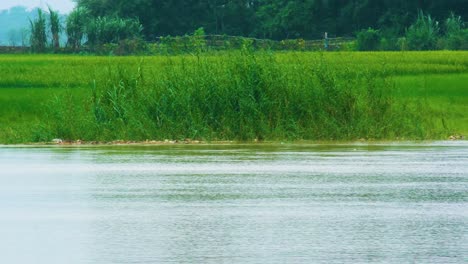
236	94
368	39
122	27
55	28
422	35
276	19
38	33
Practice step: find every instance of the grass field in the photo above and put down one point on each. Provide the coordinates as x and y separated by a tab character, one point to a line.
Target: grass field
235	96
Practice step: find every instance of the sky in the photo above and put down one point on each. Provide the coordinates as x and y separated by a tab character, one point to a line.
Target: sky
64	6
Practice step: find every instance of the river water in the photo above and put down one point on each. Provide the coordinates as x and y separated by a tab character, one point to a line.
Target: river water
356	203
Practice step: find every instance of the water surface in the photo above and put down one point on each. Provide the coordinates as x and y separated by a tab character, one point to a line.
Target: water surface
356	203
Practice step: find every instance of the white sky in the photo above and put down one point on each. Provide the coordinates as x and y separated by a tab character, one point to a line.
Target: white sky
64	6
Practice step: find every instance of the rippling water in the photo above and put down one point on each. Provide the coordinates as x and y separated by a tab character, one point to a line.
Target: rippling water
384	203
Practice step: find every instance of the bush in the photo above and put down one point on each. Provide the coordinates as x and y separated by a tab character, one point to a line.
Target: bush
292	44
197	41
453	25
368	39
112	30
389	40
402	44
75	27
38	33
348	46
423	34
131	47
456	38
458	41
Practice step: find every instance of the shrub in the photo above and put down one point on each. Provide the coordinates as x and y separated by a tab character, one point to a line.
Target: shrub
368	39
423	34
131	46
459	41
389	40
197	40
456	38
112	30
402	44
348	46
453	25
38	33
75	27
55	29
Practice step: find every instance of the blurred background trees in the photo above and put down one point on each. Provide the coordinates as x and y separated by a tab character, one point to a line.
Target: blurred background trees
376	24
276	19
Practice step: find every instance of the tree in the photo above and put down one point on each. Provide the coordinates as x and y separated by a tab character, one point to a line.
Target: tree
55	28
38	33
105	30
278	19
75	27
368	40
423	34
456	36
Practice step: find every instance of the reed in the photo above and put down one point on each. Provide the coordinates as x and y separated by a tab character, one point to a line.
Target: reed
242	96
236	95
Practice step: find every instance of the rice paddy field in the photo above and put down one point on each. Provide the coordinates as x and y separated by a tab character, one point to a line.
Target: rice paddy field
238	95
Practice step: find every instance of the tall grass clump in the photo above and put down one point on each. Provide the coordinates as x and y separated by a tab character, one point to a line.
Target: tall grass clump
55	28
423	34
242	96
76	27
456	35
368	40
38	33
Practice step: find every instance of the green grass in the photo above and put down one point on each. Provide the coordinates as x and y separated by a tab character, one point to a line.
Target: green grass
235	96
446	94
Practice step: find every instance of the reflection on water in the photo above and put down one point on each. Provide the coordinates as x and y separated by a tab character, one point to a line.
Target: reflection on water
235	204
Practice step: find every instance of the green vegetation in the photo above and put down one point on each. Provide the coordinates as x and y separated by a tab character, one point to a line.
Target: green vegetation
111	34
423	34
75	27
54	20
38	33
237	95
128	27
446	94
106	30
273	19
368	40
456	35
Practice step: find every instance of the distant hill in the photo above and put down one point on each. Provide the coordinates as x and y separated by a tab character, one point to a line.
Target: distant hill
15	27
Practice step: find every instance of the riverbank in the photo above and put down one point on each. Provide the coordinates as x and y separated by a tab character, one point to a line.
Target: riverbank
188	142
234	96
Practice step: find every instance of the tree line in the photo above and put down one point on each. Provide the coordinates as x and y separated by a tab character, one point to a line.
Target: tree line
377	24
273	19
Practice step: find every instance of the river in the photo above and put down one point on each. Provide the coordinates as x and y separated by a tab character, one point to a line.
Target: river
278	203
